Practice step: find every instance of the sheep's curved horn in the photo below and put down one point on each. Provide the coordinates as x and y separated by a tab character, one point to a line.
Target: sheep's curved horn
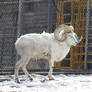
66	29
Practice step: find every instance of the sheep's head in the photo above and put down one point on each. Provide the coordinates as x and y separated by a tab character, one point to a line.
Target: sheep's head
65	32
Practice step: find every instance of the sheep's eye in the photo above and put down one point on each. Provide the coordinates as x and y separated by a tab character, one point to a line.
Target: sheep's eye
68	32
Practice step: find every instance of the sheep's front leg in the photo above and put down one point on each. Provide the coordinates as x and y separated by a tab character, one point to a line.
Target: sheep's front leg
51	65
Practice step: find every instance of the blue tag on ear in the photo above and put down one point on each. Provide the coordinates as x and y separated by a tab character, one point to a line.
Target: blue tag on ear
76	37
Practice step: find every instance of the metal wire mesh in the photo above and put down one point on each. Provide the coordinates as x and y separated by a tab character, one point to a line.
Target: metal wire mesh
34	19
38	16
8	27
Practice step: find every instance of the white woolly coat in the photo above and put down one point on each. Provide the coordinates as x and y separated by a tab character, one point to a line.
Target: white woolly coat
41	46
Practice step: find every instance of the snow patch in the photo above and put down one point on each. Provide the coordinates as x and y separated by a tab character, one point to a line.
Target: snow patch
62	83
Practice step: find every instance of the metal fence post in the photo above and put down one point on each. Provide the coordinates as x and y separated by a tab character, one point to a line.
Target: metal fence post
20	22
49	16
20	18
86	34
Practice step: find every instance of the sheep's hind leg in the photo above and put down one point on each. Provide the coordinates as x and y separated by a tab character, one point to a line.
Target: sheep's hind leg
26	72
27	59
17	67
21	63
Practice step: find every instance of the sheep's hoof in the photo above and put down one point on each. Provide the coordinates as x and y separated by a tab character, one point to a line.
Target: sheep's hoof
31	79
51	77
43	80
17	80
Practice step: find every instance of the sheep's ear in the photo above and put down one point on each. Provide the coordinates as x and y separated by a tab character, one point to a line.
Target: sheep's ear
72	28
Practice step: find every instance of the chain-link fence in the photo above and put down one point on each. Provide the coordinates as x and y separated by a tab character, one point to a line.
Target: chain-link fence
8	33
18	17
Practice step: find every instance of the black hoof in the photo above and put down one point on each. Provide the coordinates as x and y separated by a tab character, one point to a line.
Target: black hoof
31	79
42	80
17	81
51	79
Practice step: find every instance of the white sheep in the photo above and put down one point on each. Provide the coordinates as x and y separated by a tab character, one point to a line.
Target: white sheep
51	46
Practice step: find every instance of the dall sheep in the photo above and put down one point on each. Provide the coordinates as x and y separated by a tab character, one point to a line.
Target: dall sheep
51	46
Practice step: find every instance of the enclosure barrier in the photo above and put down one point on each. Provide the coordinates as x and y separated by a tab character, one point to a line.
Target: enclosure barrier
18	17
